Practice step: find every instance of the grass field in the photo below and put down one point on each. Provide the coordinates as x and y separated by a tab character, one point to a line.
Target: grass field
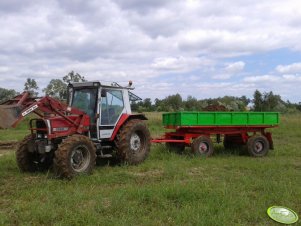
167	189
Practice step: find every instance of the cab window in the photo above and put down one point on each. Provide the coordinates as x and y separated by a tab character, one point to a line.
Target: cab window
85	100
112	105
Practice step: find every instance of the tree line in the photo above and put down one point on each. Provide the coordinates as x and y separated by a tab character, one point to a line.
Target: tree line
57	88
266	101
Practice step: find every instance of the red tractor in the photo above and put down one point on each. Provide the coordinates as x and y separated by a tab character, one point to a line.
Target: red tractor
96	122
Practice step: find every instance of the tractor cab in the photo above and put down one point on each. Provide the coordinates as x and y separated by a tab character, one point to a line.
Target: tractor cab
105	104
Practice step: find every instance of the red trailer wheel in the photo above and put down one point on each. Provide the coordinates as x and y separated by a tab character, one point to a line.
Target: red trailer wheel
202	146
258	146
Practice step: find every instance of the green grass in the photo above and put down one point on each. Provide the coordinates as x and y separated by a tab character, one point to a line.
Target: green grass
167	189
17	133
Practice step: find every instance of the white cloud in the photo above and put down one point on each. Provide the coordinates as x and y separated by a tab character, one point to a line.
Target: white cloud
230	70
235	67
262	78
291	68
179	63
118	40
292	78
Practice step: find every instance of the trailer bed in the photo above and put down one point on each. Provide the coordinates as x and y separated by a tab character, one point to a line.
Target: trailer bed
266	119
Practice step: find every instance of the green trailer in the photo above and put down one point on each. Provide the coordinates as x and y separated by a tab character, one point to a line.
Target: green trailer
234	129
221	119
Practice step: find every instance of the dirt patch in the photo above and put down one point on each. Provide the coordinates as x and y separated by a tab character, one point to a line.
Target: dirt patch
8	144
195	171
7	147
152	173
6	151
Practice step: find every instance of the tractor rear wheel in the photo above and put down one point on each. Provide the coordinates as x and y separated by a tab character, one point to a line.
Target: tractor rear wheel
133	142
202	146
29	160
258	146
75	155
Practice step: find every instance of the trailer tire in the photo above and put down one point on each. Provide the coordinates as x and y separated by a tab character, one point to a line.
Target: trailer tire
175	147
258	146
75	155
30	161
133	142
202	146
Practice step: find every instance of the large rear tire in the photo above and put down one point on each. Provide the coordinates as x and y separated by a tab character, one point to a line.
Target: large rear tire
75	155
133	142
30	160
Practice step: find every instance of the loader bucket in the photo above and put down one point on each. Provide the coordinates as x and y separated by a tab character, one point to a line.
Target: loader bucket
9	115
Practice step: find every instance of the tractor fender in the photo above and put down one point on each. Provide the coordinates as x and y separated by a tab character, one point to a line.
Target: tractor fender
123	119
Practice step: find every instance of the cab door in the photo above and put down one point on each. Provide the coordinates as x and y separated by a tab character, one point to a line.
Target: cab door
111	109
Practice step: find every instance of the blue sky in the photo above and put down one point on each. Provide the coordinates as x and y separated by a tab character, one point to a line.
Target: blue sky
192	47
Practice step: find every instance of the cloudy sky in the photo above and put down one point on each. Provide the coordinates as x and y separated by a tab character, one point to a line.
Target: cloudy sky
201	48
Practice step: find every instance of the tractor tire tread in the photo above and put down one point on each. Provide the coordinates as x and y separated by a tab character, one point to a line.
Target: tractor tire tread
23	157
61	159
122	142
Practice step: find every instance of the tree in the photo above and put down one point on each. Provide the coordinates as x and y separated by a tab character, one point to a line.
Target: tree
73	77
147	104
258	101
245	100
6	94
31	86
159	105
191	104
271	101
57	89
174	102
268	101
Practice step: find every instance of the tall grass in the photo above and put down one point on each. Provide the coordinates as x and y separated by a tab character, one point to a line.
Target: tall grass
167	189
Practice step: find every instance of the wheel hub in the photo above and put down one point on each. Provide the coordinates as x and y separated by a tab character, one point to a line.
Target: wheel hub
80	158
258	147
203	147
135	142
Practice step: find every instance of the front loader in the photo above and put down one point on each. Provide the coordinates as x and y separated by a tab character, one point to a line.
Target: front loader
96	122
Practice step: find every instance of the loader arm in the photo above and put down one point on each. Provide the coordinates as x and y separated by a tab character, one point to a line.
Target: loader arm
15	109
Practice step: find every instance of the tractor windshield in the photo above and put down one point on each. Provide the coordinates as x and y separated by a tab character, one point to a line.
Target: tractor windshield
85	100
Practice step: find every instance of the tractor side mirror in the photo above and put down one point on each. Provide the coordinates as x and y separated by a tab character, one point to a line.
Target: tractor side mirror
103	93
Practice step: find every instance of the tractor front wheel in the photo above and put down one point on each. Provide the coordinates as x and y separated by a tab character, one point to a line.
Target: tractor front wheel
75	155
25	159
28	160
133	142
